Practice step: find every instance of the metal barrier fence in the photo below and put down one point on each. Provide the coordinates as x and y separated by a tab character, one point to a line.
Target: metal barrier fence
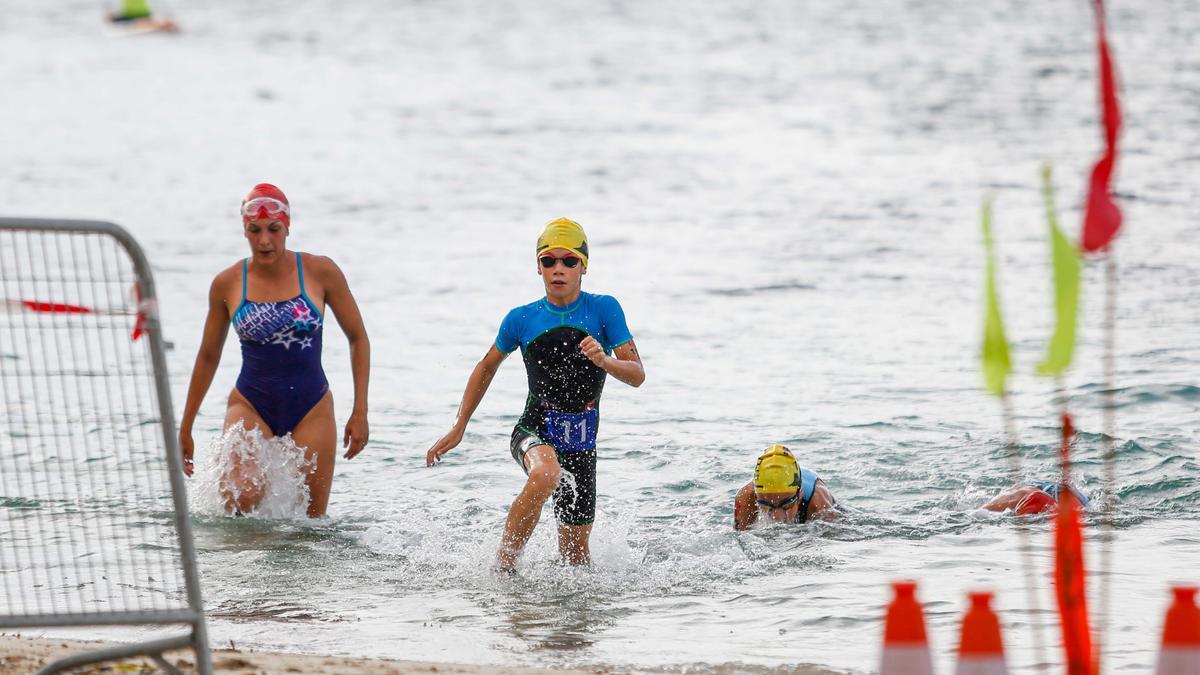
94	526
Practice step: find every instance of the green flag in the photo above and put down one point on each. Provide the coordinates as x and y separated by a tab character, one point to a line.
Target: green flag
1067	264
996	364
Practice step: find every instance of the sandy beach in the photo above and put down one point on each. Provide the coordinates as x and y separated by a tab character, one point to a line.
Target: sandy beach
21	655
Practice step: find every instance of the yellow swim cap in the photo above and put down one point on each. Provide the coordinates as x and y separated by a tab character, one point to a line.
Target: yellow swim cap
564	233
776	471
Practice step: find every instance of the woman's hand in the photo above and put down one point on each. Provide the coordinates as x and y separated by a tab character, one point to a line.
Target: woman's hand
216	327
187	449
445	444
341	301
357	432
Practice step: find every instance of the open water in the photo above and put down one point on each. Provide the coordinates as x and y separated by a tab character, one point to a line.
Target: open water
784	196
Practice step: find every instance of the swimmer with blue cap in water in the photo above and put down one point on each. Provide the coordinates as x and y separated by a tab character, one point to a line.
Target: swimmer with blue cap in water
1034	497
781	491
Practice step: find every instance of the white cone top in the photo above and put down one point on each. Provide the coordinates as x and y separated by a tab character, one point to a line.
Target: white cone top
1178	661
912	660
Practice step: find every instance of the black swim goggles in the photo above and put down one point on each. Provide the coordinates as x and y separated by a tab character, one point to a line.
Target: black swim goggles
549	261
787	503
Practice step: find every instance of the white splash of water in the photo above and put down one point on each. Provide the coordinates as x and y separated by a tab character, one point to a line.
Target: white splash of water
568	483
243	459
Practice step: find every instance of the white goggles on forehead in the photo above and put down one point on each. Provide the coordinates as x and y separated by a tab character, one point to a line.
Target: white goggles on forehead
273	207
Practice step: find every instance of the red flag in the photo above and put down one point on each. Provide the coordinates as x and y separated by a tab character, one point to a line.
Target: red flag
1102	217
54	307
1069	570
139	323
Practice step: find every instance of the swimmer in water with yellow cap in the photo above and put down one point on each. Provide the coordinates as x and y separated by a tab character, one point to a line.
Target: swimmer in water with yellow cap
782	491
570	342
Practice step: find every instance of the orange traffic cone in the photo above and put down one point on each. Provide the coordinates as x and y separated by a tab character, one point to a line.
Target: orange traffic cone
905	647
1180	653
980	649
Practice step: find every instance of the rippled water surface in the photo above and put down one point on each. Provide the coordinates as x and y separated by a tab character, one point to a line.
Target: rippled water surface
783	195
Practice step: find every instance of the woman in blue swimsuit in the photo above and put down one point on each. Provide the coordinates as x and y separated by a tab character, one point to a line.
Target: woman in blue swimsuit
275	301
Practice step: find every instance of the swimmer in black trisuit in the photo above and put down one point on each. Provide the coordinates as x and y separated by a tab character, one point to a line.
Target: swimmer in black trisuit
1036	496
783	491
565	340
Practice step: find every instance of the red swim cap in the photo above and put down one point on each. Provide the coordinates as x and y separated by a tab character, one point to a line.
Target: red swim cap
1036	502
268	191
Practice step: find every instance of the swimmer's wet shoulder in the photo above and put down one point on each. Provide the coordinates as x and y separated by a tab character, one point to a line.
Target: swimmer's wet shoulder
782	491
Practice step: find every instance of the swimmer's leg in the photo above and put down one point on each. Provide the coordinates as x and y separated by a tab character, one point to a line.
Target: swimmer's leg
243	484
526	509
317	435
573	543
575	506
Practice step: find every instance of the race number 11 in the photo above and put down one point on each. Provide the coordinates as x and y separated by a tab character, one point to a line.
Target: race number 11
582	425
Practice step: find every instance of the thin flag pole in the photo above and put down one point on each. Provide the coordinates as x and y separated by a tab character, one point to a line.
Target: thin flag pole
1024	539
1102	220
1109	422
996	367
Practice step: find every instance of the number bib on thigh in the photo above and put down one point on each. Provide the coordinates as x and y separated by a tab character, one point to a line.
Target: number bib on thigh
571	432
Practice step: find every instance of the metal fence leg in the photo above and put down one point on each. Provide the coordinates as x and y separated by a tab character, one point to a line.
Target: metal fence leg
153	649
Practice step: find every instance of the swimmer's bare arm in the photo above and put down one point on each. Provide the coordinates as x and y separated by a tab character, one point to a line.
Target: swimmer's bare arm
821	504
625	364
216	327
477	386
745	507
341	301
1008	499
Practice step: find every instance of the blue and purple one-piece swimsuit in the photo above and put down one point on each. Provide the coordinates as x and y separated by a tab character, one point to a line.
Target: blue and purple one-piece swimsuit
281	356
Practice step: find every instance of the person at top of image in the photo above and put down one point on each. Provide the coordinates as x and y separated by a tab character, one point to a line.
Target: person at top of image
276	300
1036	496
570	341
137	14
782	491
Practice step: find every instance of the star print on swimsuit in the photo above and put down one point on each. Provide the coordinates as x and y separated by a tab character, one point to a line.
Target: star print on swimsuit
303	320
285	337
